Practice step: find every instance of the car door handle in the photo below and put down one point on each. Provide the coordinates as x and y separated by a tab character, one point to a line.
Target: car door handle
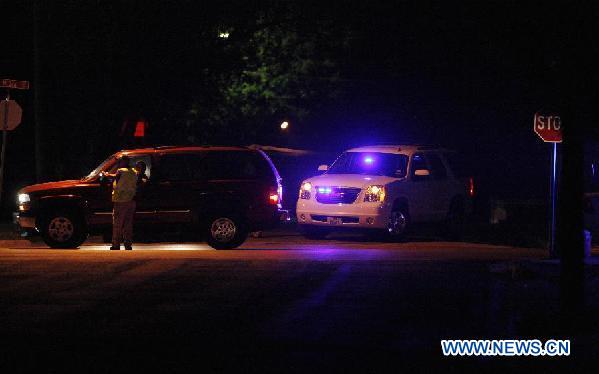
165	183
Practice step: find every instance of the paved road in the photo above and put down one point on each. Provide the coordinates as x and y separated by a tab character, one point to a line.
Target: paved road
280	303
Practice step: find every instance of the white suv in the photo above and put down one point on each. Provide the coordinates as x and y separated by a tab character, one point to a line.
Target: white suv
384	188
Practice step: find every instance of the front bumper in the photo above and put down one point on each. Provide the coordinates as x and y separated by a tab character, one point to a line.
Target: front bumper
357	215
24	222
25	225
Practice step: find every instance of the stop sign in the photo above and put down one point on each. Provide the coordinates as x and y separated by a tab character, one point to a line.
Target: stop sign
14	114
548	127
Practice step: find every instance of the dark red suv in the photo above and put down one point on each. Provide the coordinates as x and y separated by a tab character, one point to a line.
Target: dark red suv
221	192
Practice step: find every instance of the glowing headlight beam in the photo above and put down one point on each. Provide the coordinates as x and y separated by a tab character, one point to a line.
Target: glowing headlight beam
305	190
374	194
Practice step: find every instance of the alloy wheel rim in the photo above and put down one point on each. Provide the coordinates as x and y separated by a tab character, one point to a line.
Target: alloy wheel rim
397	223
61	229
223	229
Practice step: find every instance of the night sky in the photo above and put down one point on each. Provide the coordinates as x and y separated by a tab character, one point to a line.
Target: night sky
467	75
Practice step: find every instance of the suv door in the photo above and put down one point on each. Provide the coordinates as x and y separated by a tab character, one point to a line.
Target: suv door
174	189
144	210
417	189
100	198
99	201
441	188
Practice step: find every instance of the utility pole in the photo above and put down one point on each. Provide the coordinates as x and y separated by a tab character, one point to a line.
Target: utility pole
570	240
10	113
37	94
577	90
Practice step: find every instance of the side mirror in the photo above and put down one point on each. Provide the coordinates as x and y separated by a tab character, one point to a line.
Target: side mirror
422	172
323	168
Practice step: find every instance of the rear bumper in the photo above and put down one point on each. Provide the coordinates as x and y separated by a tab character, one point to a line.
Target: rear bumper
284	215
267	219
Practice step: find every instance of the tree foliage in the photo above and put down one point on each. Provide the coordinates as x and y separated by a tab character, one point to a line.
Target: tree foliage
279	67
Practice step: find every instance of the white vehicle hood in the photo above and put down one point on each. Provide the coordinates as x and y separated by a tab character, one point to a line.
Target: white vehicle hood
350	180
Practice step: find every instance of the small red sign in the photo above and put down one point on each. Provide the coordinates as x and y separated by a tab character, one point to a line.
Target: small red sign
140	129
548	127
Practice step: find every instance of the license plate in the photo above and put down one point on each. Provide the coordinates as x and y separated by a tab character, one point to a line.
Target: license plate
334	220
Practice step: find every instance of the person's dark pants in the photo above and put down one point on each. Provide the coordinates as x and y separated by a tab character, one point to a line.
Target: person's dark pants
122	223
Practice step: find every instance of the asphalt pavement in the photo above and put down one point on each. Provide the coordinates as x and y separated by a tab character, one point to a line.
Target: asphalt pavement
280	303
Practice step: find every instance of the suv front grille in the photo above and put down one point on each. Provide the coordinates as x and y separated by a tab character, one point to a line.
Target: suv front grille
337	195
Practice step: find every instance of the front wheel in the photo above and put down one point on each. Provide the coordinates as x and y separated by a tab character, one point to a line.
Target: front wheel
398	223
226	232
63	230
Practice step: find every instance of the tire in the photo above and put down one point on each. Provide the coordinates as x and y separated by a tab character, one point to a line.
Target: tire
456	216
226	232
63	229
398	224
313	232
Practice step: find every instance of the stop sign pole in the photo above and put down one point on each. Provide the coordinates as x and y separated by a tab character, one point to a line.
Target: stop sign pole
549	129
10	120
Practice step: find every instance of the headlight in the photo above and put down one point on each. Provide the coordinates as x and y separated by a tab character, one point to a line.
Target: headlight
305	190
24	202
374	194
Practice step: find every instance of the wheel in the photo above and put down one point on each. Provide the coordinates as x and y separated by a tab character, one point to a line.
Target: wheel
313	232
63	230
226	232
397	225
452	227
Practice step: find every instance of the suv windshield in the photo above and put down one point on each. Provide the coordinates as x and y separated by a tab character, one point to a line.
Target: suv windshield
371	163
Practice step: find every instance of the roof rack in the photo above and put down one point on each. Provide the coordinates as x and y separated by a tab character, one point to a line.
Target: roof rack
427	147
167	147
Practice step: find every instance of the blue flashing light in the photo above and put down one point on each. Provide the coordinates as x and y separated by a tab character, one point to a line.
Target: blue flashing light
324	190
368	160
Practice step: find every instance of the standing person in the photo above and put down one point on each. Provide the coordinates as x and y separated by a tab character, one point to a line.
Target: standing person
142	179
123	192
140	168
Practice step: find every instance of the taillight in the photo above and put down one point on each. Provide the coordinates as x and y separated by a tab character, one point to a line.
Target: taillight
273	196
471	186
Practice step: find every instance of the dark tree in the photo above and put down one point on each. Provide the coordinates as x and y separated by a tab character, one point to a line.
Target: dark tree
282	66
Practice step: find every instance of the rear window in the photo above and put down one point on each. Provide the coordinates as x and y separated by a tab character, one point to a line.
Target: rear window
458	164
437	167
180	166
214	165
235	165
